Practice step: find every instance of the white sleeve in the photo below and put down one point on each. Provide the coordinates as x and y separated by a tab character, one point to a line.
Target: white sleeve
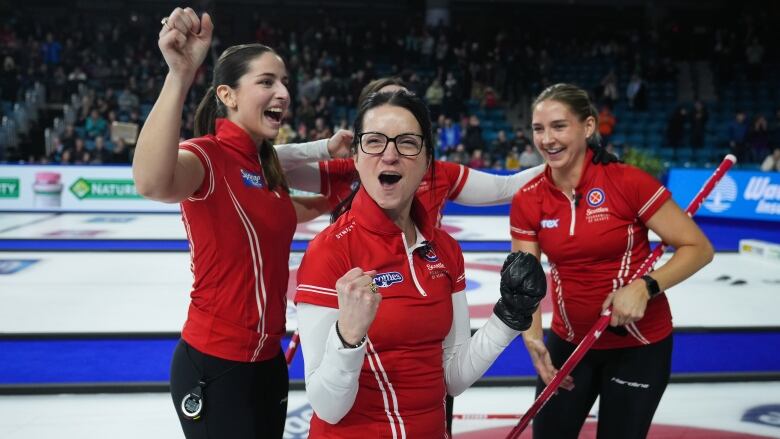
467	357
485	189
305	178
292	155
332	371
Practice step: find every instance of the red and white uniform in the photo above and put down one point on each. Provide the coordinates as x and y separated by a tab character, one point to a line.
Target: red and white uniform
338	176
239	234
594	246
401	379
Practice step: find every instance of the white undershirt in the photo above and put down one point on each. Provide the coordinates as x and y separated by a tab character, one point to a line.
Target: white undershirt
485	189
294	155
480	189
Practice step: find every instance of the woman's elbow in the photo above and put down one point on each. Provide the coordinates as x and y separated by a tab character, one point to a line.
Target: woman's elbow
328	413
708	252
455	388
145	188
149	190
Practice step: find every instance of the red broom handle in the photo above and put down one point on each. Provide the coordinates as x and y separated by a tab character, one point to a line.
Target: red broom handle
289	354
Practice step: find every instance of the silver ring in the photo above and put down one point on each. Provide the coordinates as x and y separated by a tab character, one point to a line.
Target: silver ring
164	21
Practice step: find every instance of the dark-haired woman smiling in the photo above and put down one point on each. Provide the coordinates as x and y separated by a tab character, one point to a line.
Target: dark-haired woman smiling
228	375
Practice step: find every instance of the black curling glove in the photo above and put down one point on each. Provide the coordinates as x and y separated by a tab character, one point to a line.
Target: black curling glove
523	286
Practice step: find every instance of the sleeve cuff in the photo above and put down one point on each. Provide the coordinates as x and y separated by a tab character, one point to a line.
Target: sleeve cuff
320	149
343	359
498	332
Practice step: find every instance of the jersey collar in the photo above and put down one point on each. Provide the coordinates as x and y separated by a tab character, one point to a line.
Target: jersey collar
234	136
368	214
588	171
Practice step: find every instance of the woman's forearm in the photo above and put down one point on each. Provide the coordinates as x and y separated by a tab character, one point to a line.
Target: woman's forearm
156	152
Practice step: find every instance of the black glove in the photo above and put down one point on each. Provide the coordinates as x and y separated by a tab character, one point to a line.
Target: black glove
601	156
523	286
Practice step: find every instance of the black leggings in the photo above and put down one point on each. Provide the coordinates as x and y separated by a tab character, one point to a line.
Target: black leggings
242	400
630	382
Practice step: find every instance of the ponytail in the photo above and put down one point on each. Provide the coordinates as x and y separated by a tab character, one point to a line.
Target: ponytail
209	109
345	204
272	168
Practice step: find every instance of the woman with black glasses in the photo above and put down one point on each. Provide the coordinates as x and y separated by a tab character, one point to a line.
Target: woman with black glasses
382	310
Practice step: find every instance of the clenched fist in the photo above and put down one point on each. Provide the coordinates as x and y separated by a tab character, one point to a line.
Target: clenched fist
523	286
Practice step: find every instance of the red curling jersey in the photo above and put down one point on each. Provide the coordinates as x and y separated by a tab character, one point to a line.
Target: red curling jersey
594	246
338	176
401	385
239	234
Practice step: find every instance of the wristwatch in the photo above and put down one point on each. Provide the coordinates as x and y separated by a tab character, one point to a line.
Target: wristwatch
652	286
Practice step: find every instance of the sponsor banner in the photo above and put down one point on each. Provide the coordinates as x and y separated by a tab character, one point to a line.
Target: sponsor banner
740	194
73	188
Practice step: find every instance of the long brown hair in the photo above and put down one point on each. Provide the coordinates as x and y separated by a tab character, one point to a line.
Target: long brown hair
230	67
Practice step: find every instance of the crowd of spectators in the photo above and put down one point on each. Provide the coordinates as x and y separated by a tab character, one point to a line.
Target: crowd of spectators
110	72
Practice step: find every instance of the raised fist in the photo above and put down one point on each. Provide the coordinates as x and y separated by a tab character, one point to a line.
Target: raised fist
523	286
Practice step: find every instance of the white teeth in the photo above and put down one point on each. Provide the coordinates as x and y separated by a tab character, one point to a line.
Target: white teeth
275	110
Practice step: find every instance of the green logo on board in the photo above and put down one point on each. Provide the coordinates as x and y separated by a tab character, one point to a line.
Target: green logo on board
9	188
104	189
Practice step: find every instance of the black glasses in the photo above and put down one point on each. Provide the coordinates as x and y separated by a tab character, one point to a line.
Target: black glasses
407	144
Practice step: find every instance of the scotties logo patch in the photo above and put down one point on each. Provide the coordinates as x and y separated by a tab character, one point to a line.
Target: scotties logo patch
384	280
596	197
252	180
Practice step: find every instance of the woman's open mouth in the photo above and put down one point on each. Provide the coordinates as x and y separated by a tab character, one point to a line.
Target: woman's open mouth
389	179
274	114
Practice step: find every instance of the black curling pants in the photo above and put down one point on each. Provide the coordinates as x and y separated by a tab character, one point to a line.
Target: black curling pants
240	400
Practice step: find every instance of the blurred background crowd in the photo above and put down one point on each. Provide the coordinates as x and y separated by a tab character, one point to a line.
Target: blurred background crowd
677	83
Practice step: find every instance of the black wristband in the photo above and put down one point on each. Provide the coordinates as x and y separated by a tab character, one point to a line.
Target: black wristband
344	343
652	286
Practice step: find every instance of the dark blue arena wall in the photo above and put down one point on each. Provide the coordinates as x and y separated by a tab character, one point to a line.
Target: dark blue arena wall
29	363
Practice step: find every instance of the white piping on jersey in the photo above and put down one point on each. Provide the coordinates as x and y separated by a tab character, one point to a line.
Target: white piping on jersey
651	201
619	281
561	305
522	232
409	257
191	241
318	290
625	262
573	204
634	330
381	379
457	182
210	171
257	265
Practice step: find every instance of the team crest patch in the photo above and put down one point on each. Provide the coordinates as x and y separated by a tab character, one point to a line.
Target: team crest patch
384	280
252	180
430	255
595	197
